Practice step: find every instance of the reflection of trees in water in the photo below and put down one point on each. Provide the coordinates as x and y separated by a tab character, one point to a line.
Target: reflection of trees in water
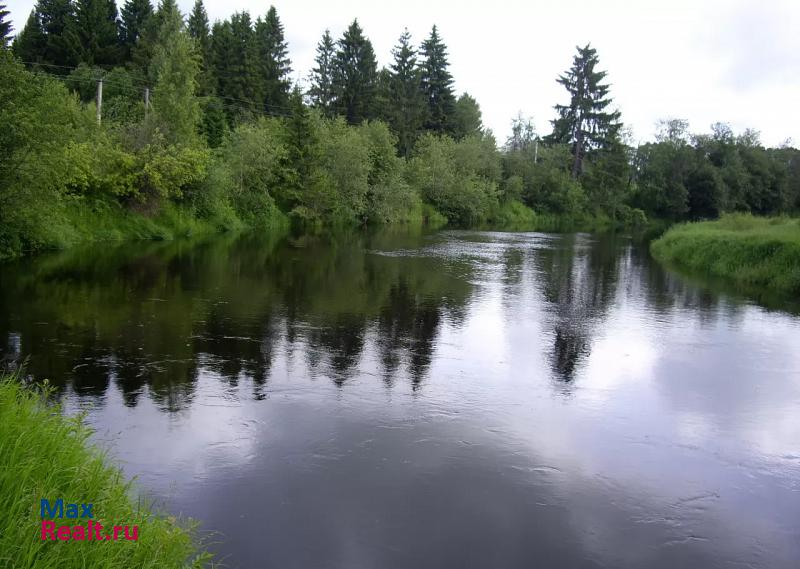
706	299
340	342
579	279
151	318
408	325
154	318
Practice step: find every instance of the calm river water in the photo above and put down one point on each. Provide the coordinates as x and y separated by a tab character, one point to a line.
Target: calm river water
456	399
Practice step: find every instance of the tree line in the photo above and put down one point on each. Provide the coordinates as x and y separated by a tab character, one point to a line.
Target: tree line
246	62
225	134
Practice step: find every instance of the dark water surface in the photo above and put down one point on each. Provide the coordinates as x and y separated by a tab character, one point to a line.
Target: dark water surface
460	399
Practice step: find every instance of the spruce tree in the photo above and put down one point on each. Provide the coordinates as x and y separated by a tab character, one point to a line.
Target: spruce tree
29	45
198	29
5	27
273	60
321	93
197	25
221	49
167	14
355	75
97	31
406	102
134	17
300	143
437	84
585	123
213	122
382	108
235	64
55	41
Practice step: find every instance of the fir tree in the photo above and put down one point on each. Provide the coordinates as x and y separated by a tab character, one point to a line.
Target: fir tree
97	31
221	49
235	65
213	122
273	59
584	123
300	143
381	107
437	84
321	93
198	29
134	17
197	25
406	102
355	75
166	14
29	45
53	38
5	27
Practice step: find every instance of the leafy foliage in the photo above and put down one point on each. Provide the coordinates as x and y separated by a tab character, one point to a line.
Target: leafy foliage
224	140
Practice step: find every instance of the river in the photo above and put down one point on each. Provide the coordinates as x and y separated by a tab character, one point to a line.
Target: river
450	399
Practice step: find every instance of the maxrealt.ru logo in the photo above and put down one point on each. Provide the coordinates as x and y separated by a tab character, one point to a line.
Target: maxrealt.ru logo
91	531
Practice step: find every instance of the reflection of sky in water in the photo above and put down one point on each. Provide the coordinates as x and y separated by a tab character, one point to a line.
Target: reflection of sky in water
467	399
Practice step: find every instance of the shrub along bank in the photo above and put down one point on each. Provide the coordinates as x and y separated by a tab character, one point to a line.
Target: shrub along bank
748	250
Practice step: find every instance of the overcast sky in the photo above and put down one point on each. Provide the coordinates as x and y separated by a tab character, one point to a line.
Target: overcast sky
706	61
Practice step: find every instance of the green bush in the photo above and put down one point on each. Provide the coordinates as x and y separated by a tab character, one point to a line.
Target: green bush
455	178
750	251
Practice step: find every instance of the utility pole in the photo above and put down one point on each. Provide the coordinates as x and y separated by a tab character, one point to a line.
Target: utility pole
536	151
146	100
99	99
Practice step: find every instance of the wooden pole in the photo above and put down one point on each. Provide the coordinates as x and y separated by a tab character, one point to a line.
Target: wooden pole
146	100
99	100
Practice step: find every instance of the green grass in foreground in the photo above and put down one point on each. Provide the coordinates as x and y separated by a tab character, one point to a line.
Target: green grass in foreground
751	251
46	455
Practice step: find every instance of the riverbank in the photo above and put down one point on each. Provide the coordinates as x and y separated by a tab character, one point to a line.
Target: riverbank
749	251
102	220
85	220
46	456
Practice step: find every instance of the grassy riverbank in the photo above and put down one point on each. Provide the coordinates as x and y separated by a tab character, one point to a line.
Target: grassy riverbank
46	455
750	251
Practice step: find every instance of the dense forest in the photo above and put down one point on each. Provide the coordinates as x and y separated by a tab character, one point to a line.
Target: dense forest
115	122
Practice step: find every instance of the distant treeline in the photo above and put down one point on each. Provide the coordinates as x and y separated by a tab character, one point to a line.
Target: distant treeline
205	119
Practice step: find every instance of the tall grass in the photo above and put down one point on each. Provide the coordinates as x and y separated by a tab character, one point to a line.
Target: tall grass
44	454
751	251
